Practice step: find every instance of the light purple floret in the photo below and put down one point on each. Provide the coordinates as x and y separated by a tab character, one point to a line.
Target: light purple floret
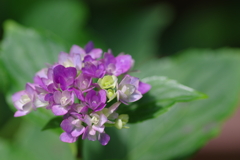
72	126
83	83
43	79
93	68
70	60
89	49
27	100
62	100
95	129
128	90
117	65
95	53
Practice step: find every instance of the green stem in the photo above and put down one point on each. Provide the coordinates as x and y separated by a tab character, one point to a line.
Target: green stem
79	149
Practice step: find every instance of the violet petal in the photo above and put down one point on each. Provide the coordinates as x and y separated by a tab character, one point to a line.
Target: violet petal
89	46
78	131
66	125
58	110
143	87
66	137
103	138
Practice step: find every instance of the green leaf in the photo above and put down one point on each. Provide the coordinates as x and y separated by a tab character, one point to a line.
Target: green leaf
186	127
24	52
53	123
32	144
4	78
163	94
5	113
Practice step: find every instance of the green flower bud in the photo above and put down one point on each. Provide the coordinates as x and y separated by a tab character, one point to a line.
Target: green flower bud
107	82
111	94
121	121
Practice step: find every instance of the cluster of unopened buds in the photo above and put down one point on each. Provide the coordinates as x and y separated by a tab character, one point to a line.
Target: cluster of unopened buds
79	87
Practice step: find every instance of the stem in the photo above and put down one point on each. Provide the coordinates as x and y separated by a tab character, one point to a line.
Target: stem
79	149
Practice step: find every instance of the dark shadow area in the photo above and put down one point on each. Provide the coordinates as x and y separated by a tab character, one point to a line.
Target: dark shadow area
8	124
142	109
116	149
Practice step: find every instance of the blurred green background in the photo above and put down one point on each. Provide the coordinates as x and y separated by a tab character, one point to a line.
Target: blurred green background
146	29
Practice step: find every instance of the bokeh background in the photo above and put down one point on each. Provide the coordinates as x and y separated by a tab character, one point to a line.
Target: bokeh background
144	28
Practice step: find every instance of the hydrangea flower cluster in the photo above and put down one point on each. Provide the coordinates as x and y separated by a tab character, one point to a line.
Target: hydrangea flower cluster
79	87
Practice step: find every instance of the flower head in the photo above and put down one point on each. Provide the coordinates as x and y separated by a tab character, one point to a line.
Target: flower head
77	88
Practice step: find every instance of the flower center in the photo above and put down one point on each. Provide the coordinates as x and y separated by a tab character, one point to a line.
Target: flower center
128	89
63	100
95	120
68	63
24	99
77	123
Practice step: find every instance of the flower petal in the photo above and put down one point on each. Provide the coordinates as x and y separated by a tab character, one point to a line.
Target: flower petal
77	50
85	133
66	137
66	124
95	53
20	113
98	128
113	107
89	46
57	95
62	57
99	108
103	138
58	110
17	96
103	95
135	96
30	90
143	87
123	64
78	131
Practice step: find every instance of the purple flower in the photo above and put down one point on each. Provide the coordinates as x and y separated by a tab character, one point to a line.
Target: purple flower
62	100
95	129
78	110
128	90
95	53
93	68
119	65
89	49
83	82
73	59
96	100
64	77
44	78
25	101
73	128
44	86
